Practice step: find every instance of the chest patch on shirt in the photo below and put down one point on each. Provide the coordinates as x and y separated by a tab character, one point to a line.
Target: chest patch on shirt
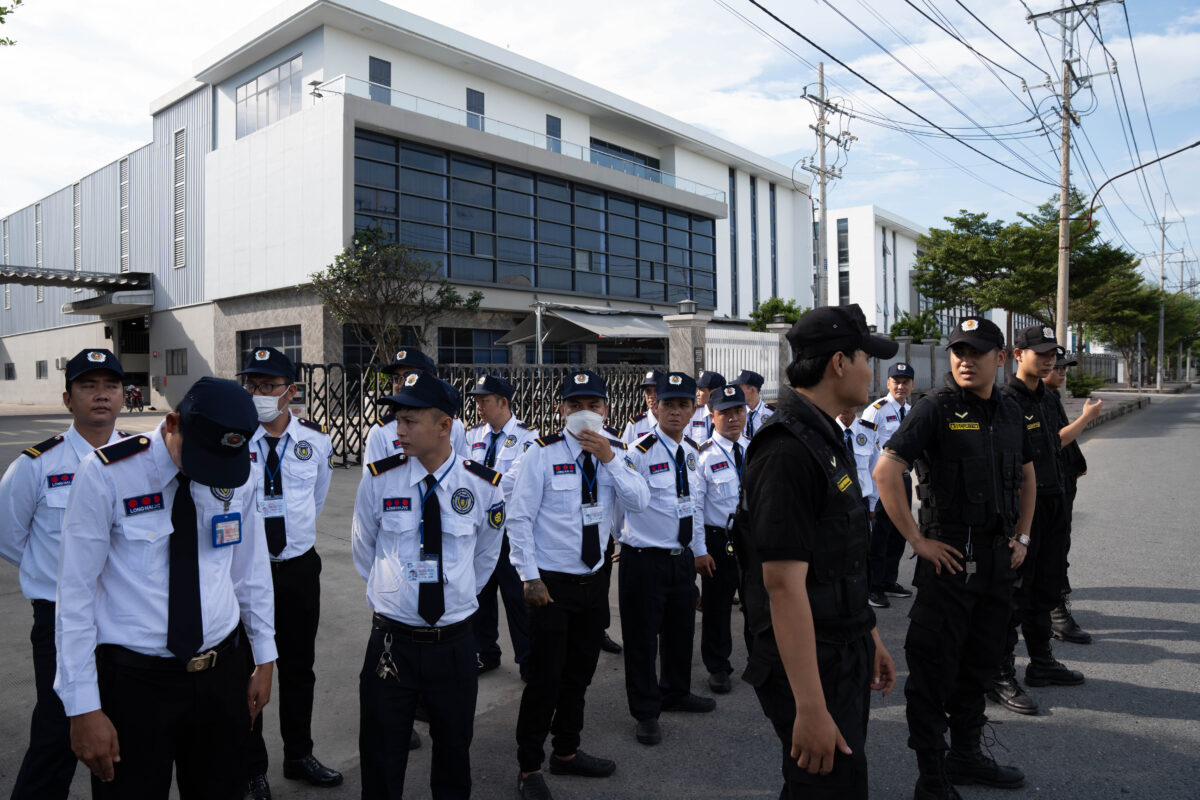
479	446
720	465
691	461
142	504
964	426
224	495
564	469
54	481
303	450
892	418
657	468
861	439
510	440
397	504
462	501
1033	425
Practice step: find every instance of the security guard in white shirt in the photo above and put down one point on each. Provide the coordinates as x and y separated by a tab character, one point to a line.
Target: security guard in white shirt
662	548
33	495
758	411
497	443
720	468
425	537
701	426
863	448
163	555
291	463
887	545
641	424
562	499
381	438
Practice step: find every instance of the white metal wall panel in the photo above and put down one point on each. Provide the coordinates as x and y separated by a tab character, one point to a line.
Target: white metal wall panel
731	351
100	192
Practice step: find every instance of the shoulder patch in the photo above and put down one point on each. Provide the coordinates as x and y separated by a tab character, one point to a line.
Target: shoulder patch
618	444
41	447
111	454
524	426
381	466
639	417
311	425
646	442
768	405
705	446
690	441
386	418
866	423
880	403
611	431
479	470
546	441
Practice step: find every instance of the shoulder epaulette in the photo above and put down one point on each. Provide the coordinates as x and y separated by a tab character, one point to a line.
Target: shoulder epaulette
768	405
546	441
487	473
386	418
312	425
124	434
525	427
867	423
880	403
111	454
639	417
691	441
41	447
646	442
705	446
476	427
617	443
384	464
611	431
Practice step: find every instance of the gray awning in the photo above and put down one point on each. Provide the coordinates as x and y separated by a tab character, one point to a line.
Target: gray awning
32	276
113	304
577	324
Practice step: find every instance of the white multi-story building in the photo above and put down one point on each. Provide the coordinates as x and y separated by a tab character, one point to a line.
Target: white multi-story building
321	118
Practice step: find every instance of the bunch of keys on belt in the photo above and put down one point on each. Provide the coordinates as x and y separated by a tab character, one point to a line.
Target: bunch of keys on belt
970	567
386	665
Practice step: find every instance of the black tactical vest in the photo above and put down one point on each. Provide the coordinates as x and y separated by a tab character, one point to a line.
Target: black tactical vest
1039	417
1073	461
837	575
975	478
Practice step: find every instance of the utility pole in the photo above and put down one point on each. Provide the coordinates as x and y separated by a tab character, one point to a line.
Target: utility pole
1162	289
824	174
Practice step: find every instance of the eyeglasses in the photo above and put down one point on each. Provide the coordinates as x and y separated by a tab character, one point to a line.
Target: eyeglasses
1061	370
263	388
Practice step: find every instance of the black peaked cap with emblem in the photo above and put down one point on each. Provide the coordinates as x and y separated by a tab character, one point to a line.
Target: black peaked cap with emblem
710	380
1038	338
217	419
492	384
269	361
978	332
827	329
901	369
426	390
676	384
411	358
584	383
748	377
1062	360
727	397
651	379
91	359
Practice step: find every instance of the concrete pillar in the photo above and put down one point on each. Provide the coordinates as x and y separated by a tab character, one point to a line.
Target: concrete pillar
785	351
685	343
933	348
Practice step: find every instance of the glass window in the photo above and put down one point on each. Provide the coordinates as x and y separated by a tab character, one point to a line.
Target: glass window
651	251
379	73
651	290
553	188
177	361
551	232
372	173
470	169
370	145
622	225
10	371
388	226
650	212
702	226
620	246
583	261
589	217
553	211
622	287
626	267
422	210
514	202
702	261
473	193
589	240
510	178
375	201
475	219
419	157
460	242
589	198
425	237
677	257
286	340
515	274
475	109
554	278
470	346
650	231
416	182
677	220
622	205
677	237
553	133
485	244
466	268
270	97
703	244
555	354
553	256
40	370
590	284
514	226
515	250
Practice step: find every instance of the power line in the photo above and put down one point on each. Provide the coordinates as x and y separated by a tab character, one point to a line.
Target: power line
1004	41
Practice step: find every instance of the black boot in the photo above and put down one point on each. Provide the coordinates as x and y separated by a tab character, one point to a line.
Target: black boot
1008	692
966	763
1064	626
1044	670
932	783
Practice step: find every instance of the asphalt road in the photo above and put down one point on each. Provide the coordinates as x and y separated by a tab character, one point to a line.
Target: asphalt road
1133	730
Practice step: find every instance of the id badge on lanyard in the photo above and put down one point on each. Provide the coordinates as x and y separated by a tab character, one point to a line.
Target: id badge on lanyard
226	529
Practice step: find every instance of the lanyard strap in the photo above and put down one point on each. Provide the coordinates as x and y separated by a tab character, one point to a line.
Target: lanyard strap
736	465
279	450
423	494
680	469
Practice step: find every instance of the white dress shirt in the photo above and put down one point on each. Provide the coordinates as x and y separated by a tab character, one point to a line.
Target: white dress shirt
883	416
33	497
513	439
545	517
114	572
657	525
722	480
638	426
382	441
385	537
866	454
757	416
304	455
701	426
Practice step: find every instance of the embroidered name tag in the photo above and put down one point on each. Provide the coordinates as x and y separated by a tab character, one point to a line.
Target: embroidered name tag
479	446
720	465
564	469
397	504
140	505
843	482
656	468
1033	425
53	481
892	418
964	426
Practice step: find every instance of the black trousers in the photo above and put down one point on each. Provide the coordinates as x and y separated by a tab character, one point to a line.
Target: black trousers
887	546
49	764
1042	575
297	614
487	618
657	594
845	670
955	642
716	599
1072	487
564	648
197	722
443	675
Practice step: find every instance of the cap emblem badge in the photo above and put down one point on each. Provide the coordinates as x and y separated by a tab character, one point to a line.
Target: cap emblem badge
730	391
411	378
650	375
675	380
261	355
401	354
1048	333
95	357
970	324
233	439
901	367
580	379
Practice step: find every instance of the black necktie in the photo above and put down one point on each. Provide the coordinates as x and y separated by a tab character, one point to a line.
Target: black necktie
849	443
489	460
737	457
683	490
590	550
185	627
750	425
902	413
431	602
276	527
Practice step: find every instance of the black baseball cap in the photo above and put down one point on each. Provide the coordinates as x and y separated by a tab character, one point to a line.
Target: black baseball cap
676	384
726	397
710	380
493	384
92	359
748	378
411	358
1038	338
651	378
827	329
269	361
901	369
426	390
217	419
584	383
1062	360
978	332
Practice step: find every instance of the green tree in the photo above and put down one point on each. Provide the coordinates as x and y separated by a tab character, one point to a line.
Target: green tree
5	12
919	326
769	308
385	289
1123	308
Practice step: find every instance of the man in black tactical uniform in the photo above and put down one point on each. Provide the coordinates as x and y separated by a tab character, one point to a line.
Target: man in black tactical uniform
802	538
977	489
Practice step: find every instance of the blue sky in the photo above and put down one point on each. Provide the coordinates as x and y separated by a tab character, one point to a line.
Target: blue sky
78	84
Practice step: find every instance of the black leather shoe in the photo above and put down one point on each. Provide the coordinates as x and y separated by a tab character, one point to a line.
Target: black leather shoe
1064	627
609	646
311	770
719	682
878	600
692	704
421	713
1008	692
583	765
1043	672
648	732
482	666
935	789
414	741
968	768
533	787
258	788
896	590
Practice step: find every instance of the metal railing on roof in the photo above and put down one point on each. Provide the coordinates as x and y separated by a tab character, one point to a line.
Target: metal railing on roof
346	85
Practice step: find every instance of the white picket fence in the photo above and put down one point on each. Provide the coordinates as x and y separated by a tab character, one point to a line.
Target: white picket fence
730	351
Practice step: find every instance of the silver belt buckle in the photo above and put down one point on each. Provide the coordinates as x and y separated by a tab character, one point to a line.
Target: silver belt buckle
202	662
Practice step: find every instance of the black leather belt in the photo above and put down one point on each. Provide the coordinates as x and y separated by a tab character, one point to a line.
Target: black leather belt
568	577
415	634
714	530
665	551
283	563
203	662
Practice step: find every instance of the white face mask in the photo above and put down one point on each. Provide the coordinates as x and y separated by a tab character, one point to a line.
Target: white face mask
267	408
582	421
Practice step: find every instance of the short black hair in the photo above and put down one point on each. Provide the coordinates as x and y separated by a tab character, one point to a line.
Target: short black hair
804	373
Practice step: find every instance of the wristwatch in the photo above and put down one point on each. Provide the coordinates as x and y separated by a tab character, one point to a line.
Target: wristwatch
1024	539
